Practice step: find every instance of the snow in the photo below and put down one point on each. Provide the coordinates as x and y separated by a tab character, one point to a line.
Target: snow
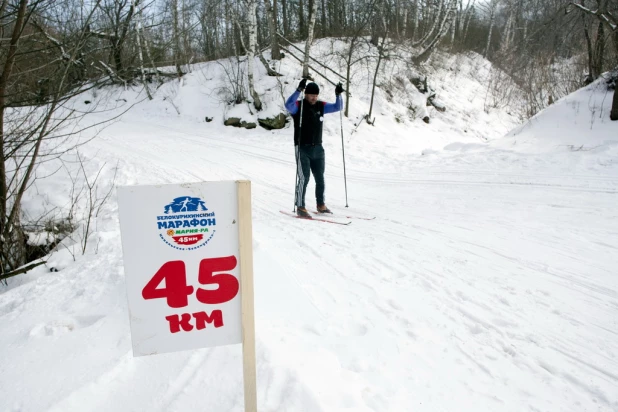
487	282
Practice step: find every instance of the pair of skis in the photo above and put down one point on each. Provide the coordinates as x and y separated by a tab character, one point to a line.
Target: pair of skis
343	219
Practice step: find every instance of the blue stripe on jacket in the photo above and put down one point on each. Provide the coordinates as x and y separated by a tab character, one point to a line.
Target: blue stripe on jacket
292	104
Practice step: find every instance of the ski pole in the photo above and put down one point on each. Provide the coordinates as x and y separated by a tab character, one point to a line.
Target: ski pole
297	149
345	180
296	182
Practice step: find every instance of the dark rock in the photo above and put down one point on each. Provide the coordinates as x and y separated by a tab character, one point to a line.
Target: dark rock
232	121
236	122
270	123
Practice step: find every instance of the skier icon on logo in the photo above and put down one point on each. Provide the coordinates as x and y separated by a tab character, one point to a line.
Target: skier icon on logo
185	204
183	208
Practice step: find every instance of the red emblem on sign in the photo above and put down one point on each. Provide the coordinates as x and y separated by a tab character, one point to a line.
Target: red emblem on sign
187	240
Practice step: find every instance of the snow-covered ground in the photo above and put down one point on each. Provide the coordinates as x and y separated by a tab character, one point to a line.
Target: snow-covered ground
487	282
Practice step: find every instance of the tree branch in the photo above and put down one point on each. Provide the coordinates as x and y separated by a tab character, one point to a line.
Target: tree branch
21	270
606	17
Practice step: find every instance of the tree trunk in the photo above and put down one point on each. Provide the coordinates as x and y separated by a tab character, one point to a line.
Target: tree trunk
505	43
150	59
176	36
215	40
491	28
397	12
227	28
416	19
434	26
599	50
453	19
615	37
120	37
614	113
312	18
271	11
284	12
2	10
348	73
117	55
141	55
375	78
468	19
589	50
301	18
453	28
323	18
186	31
8	228
443	27
462	17
251	50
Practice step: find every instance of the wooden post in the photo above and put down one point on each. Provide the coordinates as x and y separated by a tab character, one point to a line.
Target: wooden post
245	237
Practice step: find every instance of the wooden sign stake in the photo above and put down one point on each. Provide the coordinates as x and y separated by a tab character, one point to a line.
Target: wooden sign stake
245	237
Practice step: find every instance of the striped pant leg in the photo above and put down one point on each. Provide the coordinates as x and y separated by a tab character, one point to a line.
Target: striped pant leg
303	170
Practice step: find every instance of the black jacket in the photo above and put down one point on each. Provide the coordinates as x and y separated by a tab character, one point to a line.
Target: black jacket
310	132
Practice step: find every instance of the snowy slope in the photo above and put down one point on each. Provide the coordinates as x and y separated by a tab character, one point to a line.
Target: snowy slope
488	281
587	126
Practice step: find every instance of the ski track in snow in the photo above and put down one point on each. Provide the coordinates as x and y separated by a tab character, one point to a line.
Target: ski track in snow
402	303
476	288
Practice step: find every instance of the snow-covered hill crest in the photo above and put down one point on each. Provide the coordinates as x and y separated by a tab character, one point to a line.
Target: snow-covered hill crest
579	121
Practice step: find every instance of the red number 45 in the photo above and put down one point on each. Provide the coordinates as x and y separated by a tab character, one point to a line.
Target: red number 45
177	292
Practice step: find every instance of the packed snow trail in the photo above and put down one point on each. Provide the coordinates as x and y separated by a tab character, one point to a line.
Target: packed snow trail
487	283
475	288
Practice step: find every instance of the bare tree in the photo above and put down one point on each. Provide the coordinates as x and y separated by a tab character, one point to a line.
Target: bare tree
416	19
312	19
284	15
271	11
118	16
10	230
443	22
251	51
614	112
381	53
141	56
607	19
176	36
493	4
353	54
32	114
94	200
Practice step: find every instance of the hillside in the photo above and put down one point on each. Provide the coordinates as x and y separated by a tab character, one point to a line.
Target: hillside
486	282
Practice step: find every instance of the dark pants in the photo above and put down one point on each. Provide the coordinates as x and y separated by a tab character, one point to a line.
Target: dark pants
310	158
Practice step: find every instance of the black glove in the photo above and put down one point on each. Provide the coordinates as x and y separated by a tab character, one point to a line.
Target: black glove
339	89
301	85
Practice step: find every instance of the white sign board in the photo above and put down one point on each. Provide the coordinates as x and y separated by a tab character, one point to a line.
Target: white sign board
181	258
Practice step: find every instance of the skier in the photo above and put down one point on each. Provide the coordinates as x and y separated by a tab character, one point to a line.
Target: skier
308	140
184	204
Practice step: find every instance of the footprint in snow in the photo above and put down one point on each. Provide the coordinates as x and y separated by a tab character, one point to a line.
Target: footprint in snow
61	327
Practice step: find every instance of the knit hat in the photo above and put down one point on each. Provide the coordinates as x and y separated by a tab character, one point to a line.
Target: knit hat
312	88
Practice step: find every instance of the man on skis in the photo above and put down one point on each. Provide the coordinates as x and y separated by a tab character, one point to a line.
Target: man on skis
308	115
